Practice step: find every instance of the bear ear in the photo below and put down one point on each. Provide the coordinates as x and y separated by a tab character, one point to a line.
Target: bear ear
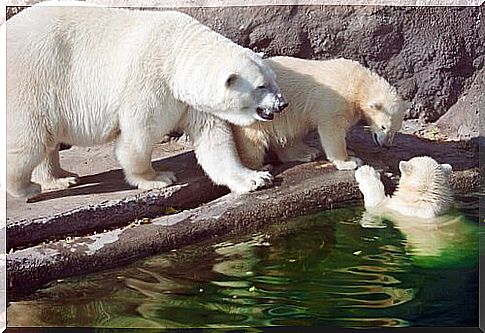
446	168
375	106
231	79
405	167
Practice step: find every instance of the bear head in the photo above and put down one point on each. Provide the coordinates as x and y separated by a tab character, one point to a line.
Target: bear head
384	111
233	84
425	176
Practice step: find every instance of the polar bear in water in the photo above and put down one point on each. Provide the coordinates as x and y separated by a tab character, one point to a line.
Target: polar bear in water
423	190
88	75
421	208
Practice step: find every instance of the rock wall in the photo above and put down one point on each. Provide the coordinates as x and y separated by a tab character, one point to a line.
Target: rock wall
431	54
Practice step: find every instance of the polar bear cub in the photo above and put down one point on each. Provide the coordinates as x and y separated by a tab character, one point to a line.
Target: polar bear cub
330	96
423	190
86	75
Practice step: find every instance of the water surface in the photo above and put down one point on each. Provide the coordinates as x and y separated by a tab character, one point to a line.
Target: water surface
324	269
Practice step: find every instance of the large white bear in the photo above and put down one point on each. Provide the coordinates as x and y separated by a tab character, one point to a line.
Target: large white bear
88	75
330	96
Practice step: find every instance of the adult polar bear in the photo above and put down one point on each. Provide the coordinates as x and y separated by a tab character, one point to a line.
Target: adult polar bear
88	75
330	96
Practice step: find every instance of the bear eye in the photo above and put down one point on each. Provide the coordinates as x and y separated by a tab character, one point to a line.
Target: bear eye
261	87
383	128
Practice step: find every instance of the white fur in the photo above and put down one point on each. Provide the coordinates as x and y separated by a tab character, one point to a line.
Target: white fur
86	76
330	96
423	189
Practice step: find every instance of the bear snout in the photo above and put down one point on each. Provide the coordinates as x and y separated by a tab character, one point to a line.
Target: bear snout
265	114
283	104
382	139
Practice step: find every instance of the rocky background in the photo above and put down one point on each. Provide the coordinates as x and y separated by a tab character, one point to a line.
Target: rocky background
433	55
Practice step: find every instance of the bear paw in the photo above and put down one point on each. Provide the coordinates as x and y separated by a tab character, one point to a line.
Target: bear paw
161	180
351	164
27	192
59	183
251	182
366	173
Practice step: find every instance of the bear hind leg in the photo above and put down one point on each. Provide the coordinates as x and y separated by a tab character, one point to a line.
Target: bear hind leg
20	165
297	152
50	174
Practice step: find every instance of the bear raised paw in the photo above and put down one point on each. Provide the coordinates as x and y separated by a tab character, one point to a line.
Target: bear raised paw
423	190
85	76
330	96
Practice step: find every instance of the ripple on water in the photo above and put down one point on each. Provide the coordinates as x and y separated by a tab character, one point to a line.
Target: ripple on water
323	270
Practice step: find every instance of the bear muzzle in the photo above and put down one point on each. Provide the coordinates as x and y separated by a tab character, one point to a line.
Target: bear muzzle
277	104
265	114
283	104
383	139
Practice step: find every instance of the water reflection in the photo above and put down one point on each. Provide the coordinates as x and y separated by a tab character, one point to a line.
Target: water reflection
447	240
323	270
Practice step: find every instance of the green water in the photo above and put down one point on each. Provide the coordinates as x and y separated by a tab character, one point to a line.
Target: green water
324	269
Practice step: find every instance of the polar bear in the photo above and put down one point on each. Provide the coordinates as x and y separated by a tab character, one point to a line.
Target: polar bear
86	75
330	96
436	235
423	190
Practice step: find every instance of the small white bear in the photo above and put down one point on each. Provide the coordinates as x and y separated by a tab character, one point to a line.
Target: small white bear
423	190
330	96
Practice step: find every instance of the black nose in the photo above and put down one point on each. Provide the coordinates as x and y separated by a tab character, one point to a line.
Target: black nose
283	105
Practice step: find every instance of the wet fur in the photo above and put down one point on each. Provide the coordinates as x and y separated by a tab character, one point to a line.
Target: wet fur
423	191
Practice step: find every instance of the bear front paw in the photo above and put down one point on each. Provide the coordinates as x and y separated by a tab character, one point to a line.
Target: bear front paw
366	173
161	180
351	164
59	183
252	182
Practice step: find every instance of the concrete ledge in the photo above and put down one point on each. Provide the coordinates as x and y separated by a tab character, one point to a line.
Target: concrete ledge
113	213
92	213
